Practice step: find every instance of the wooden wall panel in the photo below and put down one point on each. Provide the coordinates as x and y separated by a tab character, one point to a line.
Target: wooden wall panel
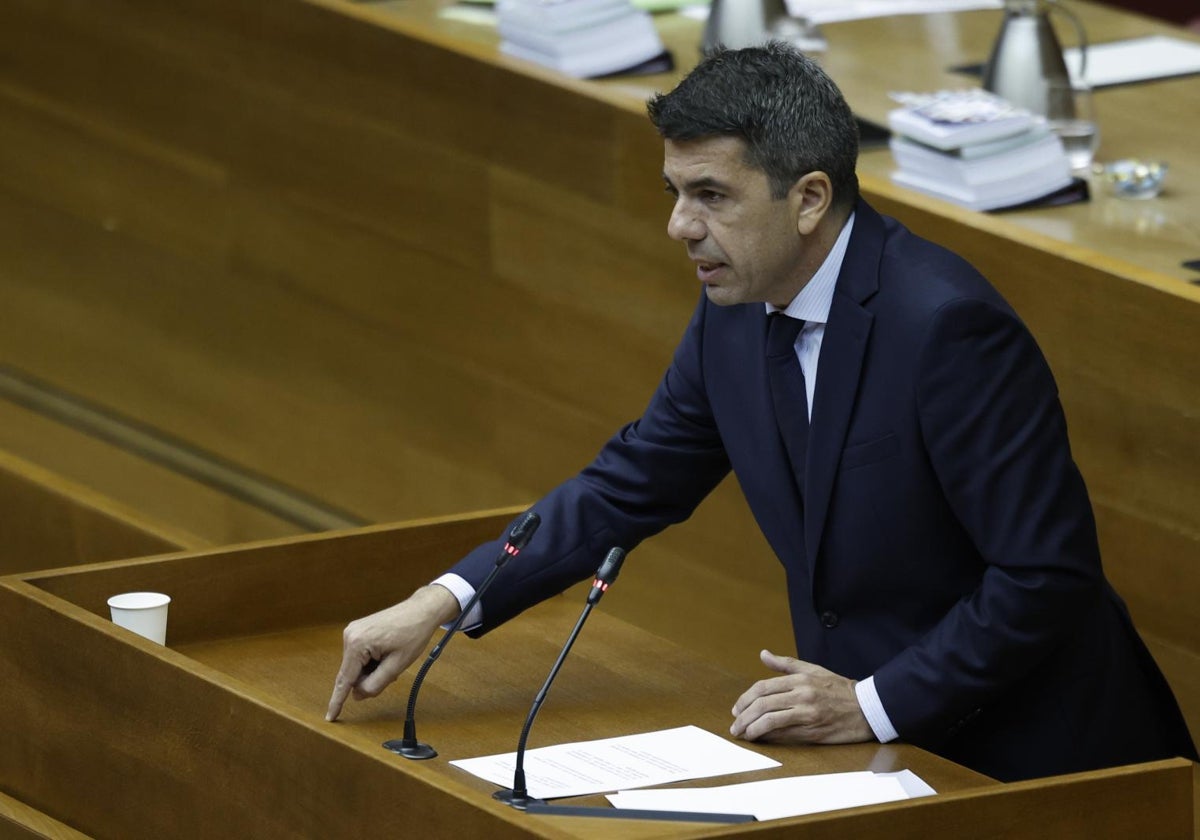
49	522
19	821
153	491
111	180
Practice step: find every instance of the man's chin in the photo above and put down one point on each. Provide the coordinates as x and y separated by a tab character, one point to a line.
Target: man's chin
721	296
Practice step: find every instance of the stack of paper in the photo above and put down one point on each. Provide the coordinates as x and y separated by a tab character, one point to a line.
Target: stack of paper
582	38
974	149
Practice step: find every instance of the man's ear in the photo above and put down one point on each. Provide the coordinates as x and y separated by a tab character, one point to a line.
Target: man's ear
811	197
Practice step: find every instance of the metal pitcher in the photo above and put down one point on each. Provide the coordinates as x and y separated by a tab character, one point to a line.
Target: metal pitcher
1026	66
750	23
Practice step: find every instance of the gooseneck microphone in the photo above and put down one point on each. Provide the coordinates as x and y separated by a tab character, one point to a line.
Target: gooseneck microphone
518	538
518	796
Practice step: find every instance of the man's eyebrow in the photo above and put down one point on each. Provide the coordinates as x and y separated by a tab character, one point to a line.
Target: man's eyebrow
704	183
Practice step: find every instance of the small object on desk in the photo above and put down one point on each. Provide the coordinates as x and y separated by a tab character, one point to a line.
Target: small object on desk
145	613
1133	178
1075	124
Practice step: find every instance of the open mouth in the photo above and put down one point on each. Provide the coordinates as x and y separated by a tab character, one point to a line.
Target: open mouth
707	271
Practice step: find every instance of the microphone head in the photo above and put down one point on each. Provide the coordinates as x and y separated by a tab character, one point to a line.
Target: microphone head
606	574
523	531
611	566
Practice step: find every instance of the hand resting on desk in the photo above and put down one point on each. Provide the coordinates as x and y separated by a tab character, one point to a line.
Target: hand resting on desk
807	705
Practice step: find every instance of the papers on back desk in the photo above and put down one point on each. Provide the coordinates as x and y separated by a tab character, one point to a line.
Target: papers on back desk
833	11
1135	60
630	761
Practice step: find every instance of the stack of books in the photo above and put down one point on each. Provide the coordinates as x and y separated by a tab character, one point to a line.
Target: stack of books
582	38
975	149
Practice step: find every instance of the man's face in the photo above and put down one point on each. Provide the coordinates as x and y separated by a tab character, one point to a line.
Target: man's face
746	245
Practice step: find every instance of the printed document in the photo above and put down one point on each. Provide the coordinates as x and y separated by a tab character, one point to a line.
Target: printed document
630	761
774	799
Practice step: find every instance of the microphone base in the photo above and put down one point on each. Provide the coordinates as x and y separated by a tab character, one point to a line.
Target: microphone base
410	749
520	801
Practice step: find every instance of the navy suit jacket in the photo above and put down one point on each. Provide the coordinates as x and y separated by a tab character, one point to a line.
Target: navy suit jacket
942	539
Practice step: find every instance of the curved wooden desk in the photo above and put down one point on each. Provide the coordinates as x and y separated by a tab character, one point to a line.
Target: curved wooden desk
221	733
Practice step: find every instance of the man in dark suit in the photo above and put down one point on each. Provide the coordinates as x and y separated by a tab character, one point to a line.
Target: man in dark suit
898	436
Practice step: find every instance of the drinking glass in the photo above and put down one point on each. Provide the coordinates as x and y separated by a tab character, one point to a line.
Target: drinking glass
1075	124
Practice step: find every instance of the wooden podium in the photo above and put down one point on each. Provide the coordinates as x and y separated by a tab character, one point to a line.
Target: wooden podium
221	732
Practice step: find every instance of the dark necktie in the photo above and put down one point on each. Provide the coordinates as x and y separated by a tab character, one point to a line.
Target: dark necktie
788	390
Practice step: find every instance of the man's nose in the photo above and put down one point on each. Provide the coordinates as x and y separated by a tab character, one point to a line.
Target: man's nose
684	225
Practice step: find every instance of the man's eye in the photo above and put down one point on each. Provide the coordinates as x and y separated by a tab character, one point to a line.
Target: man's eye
708	196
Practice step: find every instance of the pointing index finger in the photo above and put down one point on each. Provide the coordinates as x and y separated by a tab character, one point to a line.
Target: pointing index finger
347	676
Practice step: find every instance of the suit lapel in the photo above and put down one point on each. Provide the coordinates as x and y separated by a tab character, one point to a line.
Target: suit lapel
839	371
840	367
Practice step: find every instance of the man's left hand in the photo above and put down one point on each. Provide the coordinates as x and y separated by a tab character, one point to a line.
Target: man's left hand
807	705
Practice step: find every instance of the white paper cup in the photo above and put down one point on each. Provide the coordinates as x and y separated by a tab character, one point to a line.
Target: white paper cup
145	613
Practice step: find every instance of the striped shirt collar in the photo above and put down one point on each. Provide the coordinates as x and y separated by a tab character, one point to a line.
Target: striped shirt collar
813	302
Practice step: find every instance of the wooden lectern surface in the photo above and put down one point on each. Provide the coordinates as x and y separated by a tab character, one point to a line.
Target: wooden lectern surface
618	680
221	733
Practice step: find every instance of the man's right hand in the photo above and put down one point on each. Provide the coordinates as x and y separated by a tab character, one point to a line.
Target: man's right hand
376	649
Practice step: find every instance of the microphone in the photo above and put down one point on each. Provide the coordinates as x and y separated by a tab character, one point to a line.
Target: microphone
518	538
518	796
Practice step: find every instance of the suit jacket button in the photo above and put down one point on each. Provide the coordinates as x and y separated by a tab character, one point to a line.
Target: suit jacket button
829	619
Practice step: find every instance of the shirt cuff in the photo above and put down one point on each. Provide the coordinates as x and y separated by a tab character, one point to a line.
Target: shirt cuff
464	592
872	709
